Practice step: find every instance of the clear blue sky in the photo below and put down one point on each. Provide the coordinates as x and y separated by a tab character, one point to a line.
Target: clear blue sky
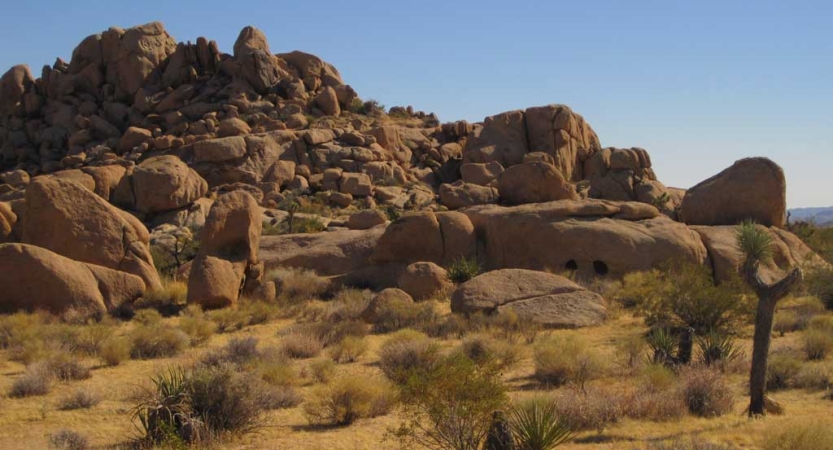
699	84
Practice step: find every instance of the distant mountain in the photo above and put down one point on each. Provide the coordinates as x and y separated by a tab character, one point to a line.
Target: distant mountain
819	215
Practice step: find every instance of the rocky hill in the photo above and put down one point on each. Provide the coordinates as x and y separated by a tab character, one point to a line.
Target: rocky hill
822	216
139	140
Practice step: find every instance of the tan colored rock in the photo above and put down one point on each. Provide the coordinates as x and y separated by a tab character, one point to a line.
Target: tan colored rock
365	219
8	219
461	195
78	176
537	297
339	199
228	252
332	253
357	184
281	172
132	54
15	178
483	174
219	150
751	189
233	127
13	84
502	139
423	280
385	300
561	133
36	279
439	238
165	183
327	102
106	178
591	236
534	182
67	219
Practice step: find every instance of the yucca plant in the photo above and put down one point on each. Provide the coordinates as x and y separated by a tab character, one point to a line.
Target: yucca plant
463	269
716	347
664	346
756	245
166	413
537	425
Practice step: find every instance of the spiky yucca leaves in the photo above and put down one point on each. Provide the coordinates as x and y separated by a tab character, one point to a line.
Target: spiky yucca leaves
166	414
463	269
754	242
716	347
664	347
537	425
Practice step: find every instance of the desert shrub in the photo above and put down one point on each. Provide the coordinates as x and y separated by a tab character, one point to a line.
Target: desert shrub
22	334
280	398
814	377
718	349
297	285
156	341
36	380
168	260
347	305
567	359
450	405
348	350
228	319
197	326
66	368
147	317
785	322
592	409
164	414
463	269
629	351
799	436
507	325
819	283
821	323
816	343
226	400
536	425
309	224
485	350
322	370
781	371
168	300
664	347
695	443
657	396
685	295
91	337
806	308
349	399
80	399
450	326
406	353
114	351
68	440
397	315
256	312
706	392
301	343
239	351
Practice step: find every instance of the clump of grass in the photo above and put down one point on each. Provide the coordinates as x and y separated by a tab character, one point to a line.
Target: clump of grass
114	351
706	392
695	443
228	319
567	359
348	350
68	440
80	399
407	352
297	285
349	399
168	300
463	269
813	377
155	340
197	326
817	343
66	368
799	436
781	371
322	370
785	321
630	351
592	409
487	351
301	344
36	380
397	314
657	397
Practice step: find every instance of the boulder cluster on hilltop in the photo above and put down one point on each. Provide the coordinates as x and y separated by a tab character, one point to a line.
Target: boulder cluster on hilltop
140	141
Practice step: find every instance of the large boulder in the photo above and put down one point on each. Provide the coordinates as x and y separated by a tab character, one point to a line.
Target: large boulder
220	150
593	237
165	183
130	55
365	219
564	135
388	299
35	279
618	173
534	182
538	297
501	139
788	252
422	280
332	253
461	194
8	219
426	236
228	251
64	217
13	84
751	189
483	174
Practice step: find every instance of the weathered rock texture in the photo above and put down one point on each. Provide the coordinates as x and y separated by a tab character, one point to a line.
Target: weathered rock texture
549	300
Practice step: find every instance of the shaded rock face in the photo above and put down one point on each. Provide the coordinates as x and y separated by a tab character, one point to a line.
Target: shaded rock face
621	174
549	300
64	217
592	237
553	129
333	253
34	279
726	259
751	189
534	182
460	195
434	237
228	253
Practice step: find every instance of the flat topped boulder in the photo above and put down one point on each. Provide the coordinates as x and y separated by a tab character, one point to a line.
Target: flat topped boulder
550	300
750	189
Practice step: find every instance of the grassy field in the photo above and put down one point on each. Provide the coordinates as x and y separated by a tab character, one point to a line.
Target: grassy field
27	422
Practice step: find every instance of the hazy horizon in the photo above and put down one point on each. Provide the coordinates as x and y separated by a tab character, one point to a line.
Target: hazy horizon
697	85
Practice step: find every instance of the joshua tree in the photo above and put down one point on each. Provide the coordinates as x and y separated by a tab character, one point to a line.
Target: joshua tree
756	244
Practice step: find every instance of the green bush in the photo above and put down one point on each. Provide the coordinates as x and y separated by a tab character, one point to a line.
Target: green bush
157	341
817	343
718	349
407	353
781	371
349	399
114	351
348	350
567	359
297	285
463	269
485	350
396	315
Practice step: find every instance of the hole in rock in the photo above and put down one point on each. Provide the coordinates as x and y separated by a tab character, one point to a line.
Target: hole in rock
600	267
571	265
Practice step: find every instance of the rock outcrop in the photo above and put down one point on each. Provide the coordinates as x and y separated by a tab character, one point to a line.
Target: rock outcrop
537	297
36	279
422	280
228	255
440	238
751	189
165	183
534	182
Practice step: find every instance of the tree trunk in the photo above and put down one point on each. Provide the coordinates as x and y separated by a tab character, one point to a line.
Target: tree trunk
768	297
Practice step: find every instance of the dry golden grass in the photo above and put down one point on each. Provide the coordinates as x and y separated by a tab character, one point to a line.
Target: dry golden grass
27	423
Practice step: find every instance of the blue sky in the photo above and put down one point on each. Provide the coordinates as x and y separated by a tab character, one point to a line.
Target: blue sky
699	84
